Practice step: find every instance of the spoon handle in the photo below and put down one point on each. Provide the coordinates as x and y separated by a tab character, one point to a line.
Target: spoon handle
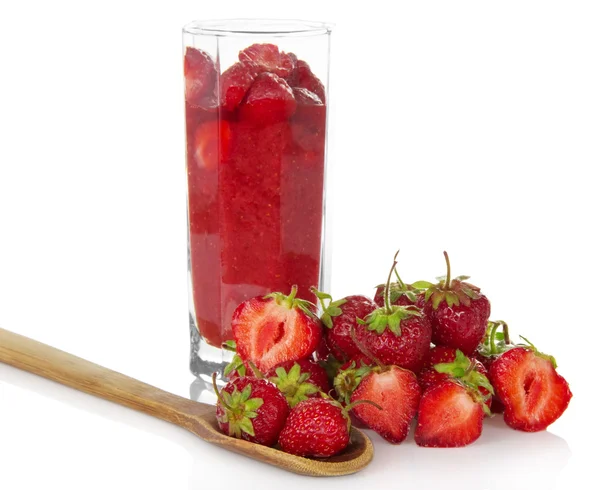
41	359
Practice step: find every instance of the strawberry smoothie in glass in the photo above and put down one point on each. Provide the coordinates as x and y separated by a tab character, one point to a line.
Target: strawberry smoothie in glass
255	111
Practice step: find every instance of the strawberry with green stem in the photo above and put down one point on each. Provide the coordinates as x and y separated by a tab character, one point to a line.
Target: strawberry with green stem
458	312
394	334
252	409
339	317
299	380
533	393
402	294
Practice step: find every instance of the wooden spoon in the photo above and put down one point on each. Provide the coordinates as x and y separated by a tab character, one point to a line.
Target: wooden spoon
199	418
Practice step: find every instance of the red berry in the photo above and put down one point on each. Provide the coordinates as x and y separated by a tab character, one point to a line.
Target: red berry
235	83
448	416
268	58
316	427
305	78
533	393
299	380
270	100
252	409
458	313
340	319
273	329
200	76
397	391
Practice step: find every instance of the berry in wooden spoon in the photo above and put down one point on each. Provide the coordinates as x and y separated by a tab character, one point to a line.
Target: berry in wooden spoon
458	312
275	328
317	427
252	409
533	393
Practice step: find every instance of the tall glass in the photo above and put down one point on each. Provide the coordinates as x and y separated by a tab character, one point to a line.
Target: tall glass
256	110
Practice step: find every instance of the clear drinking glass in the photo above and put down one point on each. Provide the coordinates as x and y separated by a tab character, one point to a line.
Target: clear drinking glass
256	115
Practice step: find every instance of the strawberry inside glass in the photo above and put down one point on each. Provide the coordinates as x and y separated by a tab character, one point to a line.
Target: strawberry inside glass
255	162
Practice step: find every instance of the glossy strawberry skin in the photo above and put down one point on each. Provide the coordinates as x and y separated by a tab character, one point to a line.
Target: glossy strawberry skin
269	334
496	406
408	350
448	417
397	391
339	337
318	375
271	415
533	393
429	377
307	79
459	326
315	427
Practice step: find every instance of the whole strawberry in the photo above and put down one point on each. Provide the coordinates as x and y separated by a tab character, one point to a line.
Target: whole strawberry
252	409
317	427
299	380
397	392
458	313
340	317
398	335
533	393
275	328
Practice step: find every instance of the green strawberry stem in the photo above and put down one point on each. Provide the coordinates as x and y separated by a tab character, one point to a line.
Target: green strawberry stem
496	325
448	277
218	393
386	293
402	285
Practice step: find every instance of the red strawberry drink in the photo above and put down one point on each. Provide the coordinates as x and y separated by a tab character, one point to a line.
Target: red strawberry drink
255	133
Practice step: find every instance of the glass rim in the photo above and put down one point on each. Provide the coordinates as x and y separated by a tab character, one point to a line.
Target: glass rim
257	27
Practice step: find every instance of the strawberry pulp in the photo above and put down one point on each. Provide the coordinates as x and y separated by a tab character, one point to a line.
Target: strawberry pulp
255	164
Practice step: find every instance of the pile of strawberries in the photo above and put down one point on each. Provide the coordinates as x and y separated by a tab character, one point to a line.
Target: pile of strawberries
299	381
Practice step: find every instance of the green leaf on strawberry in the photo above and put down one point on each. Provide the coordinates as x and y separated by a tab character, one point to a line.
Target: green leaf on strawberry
290	301
239	409
293	384
332	309
453	291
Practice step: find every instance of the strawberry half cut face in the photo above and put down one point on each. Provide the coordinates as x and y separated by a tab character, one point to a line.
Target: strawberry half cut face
274	329
534	394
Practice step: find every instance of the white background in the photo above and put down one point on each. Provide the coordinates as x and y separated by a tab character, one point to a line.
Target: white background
467	126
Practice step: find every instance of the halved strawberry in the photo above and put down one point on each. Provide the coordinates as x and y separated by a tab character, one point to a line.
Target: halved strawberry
397	391
200	75
268	58
533	393
235	82
211	143
449	416
269	100
275	328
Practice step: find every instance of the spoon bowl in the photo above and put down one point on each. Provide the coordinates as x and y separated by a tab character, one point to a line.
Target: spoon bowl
199	418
